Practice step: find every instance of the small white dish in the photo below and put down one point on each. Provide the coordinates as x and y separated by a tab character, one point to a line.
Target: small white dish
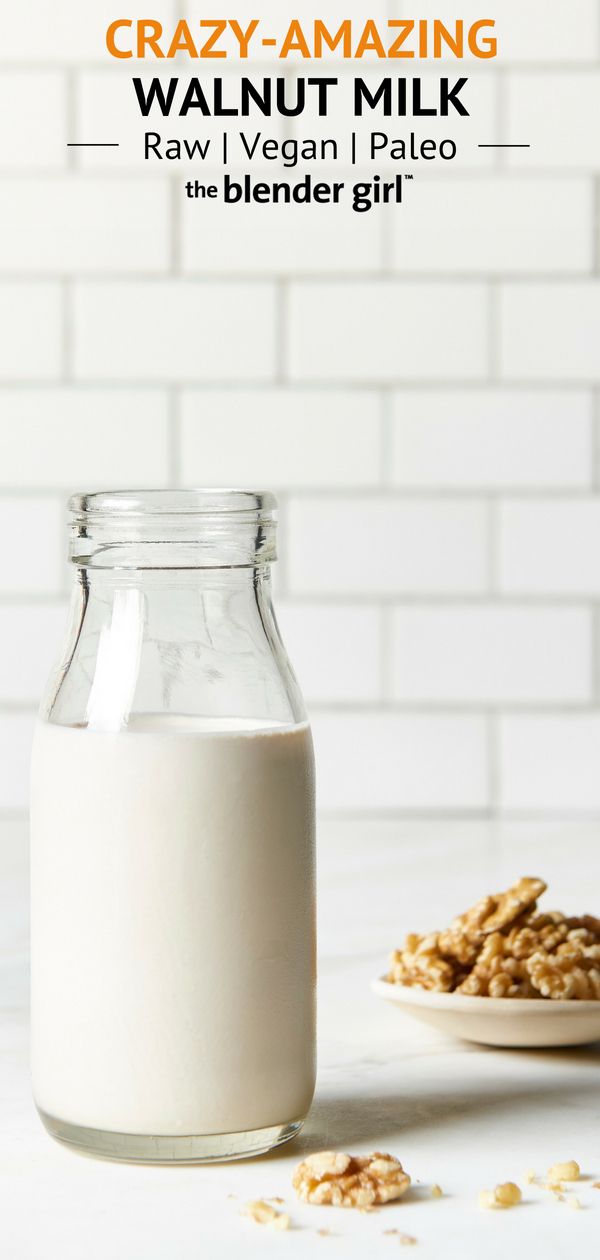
516	1022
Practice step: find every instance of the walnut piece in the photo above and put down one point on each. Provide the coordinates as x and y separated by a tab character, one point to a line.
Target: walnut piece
568	1171
564	976
421	963
510	904
506	1195
329	1177
503	947
463	938
265	1214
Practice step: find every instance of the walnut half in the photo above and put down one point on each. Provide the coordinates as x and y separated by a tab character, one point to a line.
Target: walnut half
332	1178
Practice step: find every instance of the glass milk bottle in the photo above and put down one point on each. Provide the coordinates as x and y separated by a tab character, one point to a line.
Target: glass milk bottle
173	908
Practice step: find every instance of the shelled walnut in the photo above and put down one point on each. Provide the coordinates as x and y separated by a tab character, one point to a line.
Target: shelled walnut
330	1177
504	947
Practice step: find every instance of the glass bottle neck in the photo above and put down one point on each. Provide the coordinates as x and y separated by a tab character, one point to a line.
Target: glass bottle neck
173	643
186	529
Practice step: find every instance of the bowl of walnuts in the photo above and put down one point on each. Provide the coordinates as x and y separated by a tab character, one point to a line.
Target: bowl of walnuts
504	973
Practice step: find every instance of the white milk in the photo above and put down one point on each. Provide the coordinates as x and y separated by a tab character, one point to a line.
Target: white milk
173	941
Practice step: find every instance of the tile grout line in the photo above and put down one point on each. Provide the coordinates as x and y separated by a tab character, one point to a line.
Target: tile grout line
68	332
596	225
494	332
174	451
344	278
315	384
493	548
338	385
595	679
424	601
281	332
595	443
386	649
493	762
385	438
370	495
175	230
71	117
410	814
372	492
501	164
395	708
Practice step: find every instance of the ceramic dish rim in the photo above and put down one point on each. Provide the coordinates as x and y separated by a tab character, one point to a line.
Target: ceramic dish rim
407	995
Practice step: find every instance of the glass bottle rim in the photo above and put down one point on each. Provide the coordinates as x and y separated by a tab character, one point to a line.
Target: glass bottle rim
205	501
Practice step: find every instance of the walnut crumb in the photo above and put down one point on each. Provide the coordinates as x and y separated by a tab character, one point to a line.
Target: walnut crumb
530	1176
264	1214
574	1202
330	1177
506	1195
568	1171
437	1192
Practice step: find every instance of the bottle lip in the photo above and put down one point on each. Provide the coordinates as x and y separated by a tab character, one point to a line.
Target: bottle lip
196	501
169	529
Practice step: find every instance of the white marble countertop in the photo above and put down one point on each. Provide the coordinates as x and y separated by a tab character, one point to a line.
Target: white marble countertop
457	1115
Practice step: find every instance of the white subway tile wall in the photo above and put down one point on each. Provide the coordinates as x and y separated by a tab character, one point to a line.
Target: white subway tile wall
31	330
31	547
493	439
30	138
383	762
70	235
497	225
386	546
387	332
481	655
289	438
30	634
420	384
67	436
67	32
554	109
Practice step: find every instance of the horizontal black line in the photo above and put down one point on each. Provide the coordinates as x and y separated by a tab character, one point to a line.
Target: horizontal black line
503	146
93	145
